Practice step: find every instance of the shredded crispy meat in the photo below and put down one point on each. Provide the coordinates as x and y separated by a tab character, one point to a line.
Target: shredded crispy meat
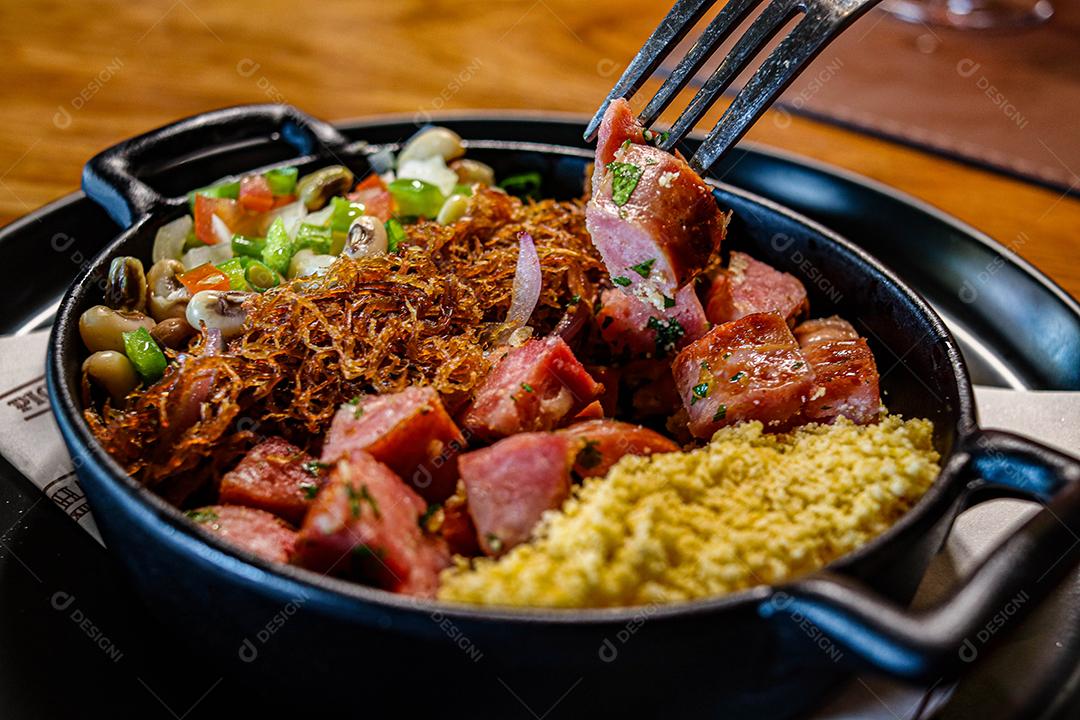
421	316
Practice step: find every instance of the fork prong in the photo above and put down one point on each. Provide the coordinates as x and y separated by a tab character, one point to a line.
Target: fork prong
764	27
729	17
782	65
673	28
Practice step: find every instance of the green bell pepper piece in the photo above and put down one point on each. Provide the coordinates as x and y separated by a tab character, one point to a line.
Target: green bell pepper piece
282	180
525	185
234	269
279	249
395	235
416	198
343	215
247	246
318	239
144	354
229	190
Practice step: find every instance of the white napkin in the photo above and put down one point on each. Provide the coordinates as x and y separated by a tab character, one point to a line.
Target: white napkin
31	442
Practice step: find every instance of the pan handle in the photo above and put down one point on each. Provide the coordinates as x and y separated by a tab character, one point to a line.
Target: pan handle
112	178
934	643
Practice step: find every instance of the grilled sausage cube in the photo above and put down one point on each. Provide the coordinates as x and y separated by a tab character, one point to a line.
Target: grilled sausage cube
365	525
751	286
748	369
275	476
536	386
256	531
409	431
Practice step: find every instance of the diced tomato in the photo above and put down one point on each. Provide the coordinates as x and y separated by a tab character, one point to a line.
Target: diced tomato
373	193
204	277
255	193
283	200
205	209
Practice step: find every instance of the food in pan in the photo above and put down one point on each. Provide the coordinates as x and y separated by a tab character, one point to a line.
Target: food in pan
431	382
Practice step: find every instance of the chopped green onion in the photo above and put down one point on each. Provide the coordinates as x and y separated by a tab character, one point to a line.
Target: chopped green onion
259	277
318	239
395	235
144	354
620	280
416	198
525	185
668	302
343	215
234	269
720	414
278	250
282	181
229	190
248	246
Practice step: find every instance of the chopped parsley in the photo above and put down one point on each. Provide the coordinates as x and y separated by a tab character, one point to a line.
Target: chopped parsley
704	364
526	387
202	516
668	333
575	299
314	467
588	456
797	365
624	180
364	495
644	268
355	400
737	376
701	391
621	280
668	302
309	489
720	414
494	542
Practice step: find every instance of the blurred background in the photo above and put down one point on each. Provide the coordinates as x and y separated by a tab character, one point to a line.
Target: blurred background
82	76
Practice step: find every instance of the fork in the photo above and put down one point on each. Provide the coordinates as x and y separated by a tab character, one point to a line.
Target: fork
823	20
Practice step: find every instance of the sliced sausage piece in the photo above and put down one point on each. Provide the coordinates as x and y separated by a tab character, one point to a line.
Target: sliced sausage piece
653	219
409	431
536	386
748	369
275	476
618	126
365	524
635	329
512	483
256	531
845	382
751	286
599	444
824	330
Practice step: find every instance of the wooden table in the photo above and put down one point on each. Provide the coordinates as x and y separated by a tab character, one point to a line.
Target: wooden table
81	76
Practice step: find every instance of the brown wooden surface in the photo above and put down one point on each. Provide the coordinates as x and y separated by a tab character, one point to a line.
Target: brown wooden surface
81	76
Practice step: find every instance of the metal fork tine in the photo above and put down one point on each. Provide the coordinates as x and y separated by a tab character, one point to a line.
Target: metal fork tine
733	13
673	28
764	27
774	75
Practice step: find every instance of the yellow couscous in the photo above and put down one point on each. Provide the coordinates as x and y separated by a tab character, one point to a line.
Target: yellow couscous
749	508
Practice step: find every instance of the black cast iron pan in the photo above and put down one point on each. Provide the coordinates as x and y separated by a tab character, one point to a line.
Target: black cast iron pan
766	652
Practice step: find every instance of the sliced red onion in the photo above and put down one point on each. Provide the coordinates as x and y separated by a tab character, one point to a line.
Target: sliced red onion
527	280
